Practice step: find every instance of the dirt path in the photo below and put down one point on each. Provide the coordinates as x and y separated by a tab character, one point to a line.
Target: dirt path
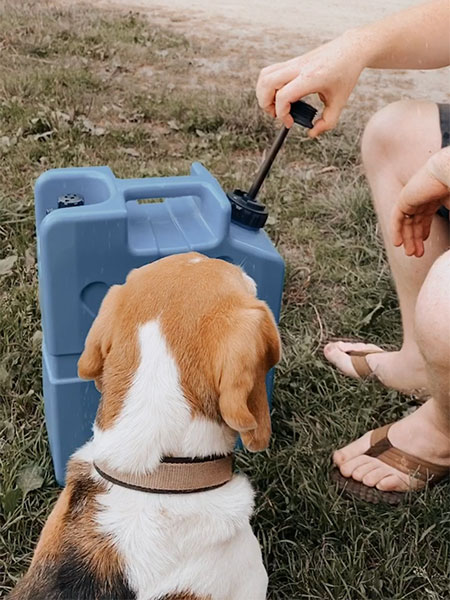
253	33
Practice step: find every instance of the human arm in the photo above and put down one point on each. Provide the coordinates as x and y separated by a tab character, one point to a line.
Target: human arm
416	38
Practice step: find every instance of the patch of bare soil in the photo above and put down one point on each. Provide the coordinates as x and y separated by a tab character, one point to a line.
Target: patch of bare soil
249	35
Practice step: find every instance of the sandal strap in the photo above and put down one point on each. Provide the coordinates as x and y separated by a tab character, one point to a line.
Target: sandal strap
409	464
361	365
359	362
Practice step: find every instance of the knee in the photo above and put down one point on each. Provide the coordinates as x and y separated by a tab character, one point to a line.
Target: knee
384	136
432	318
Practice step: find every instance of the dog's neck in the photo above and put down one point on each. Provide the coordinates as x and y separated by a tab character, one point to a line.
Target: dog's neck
156	419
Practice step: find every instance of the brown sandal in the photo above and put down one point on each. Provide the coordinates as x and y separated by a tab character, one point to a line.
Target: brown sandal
363	370
381	448
361	366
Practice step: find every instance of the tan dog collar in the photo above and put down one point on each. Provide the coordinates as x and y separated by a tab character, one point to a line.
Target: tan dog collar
175	475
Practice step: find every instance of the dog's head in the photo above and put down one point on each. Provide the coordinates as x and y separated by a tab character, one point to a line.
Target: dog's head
222	338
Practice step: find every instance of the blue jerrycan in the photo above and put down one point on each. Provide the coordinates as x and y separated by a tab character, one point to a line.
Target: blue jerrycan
92	230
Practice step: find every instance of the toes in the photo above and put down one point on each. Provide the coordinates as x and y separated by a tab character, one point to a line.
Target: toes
340	359
365	468
376	475
337	354
392	483
348	468
356	448
358	347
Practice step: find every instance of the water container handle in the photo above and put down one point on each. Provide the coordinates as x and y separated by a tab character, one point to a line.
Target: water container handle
156	187
199	183
213	204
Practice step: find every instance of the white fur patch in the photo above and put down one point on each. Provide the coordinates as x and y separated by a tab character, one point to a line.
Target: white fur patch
201	543
156	419
251	283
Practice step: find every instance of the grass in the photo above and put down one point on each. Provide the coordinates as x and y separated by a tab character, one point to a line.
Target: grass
82	87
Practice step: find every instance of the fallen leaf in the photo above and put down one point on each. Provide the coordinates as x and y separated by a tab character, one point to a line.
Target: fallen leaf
173	125
36	340
373	313
45	135
10	500
327	170
29	257
4	375
89	127
272	220
8	429
131	152
30	479
6	264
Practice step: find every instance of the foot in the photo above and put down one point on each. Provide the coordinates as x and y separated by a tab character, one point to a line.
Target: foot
402	371
418	434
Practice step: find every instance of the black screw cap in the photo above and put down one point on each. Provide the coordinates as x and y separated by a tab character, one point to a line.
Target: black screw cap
70	200
247	211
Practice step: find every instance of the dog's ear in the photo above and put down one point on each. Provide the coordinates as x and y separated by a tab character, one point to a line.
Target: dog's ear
99	339
248	352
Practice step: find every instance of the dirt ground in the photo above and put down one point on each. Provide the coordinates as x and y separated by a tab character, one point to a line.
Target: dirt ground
264	31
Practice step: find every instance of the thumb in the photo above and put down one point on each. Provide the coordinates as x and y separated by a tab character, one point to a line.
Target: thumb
328	120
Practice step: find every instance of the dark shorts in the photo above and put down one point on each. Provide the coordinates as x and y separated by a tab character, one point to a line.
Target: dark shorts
444	120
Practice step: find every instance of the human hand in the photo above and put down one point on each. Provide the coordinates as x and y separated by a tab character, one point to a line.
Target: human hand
424	193
331	71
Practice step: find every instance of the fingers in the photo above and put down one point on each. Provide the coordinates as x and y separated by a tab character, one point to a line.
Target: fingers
407	232
270	81
327	121
396	227
290	93
411	231
413	214
418	236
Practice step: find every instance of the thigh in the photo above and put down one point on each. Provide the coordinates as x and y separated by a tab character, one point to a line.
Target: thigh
400	138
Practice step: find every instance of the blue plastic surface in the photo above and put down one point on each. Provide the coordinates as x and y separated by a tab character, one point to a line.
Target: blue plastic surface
83	250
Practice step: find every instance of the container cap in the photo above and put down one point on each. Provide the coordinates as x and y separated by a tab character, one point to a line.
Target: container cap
247	211
70	200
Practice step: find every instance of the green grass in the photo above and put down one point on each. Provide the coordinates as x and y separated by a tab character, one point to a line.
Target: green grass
65	74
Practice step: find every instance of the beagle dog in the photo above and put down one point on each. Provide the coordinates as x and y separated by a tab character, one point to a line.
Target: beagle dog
151	509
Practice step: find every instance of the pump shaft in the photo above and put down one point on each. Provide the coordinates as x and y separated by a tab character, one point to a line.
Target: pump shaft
267	163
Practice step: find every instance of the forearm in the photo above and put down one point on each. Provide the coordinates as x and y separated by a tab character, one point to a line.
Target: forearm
416	38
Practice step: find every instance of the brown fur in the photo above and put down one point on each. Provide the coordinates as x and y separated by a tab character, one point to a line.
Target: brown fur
224	341
70	537
73	519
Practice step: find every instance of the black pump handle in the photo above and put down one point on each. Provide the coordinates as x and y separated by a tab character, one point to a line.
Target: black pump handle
303	114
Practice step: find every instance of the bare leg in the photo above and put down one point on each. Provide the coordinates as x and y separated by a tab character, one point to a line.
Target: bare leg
425	433
396	143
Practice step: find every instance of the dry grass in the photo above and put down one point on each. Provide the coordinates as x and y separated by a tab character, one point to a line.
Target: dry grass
63	75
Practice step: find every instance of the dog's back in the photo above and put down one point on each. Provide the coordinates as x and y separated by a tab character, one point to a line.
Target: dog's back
104	542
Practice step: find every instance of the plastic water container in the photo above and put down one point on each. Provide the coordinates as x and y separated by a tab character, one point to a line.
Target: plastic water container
91	231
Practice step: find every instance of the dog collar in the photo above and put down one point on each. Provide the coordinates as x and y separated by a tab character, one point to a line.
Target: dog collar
175	475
